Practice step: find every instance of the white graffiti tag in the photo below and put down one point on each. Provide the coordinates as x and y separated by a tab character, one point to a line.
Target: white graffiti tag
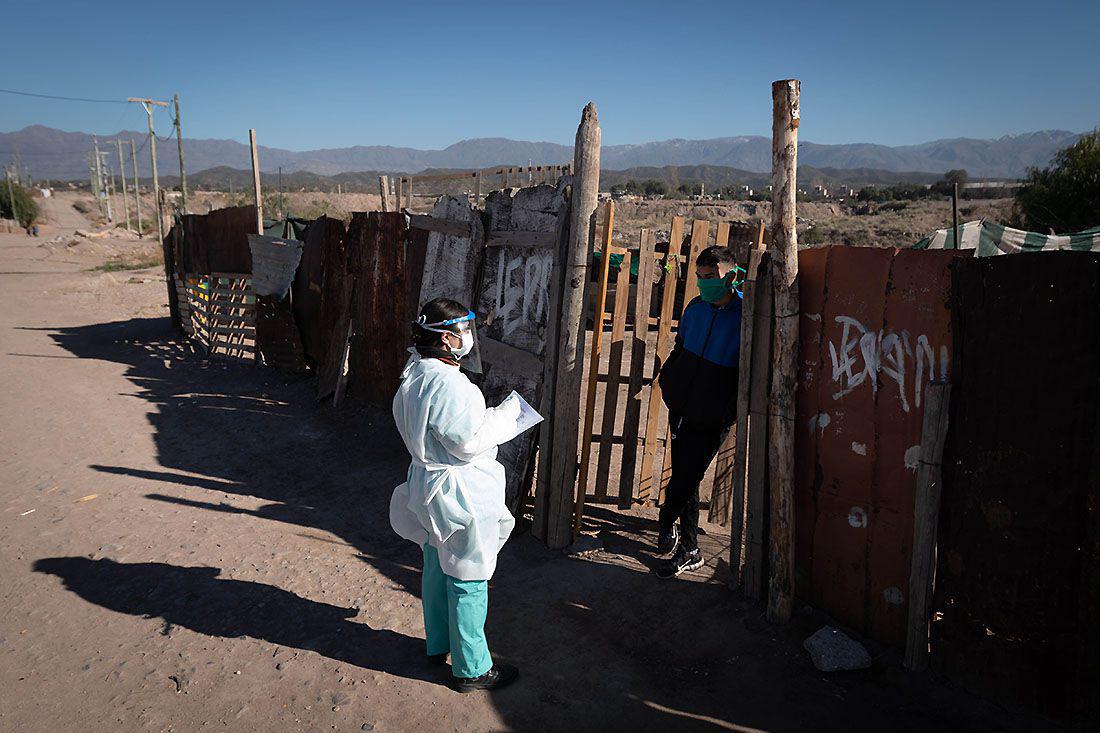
519	303
862	354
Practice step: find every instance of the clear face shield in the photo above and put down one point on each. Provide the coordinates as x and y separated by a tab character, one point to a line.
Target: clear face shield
465	328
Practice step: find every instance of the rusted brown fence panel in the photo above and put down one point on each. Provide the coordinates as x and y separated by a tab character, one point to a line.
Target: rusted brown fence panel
226	233
1018	573
875	329
379	341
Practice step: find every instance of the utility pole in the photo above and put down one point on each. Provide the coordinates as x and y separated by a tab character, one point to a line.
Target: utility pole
11	197
179	145
280	179
110	189
148	105
98	176
122	176
137	187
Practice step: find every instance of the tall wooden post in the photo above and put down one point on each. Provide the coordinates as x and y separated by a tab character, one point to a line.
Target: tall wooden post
256	183
558	446
137	186
955	213
785	119
122	175
179	147
384	191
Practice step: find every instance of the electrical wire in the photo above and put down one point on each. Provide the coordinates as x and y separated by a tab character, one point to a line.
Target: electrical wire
65	99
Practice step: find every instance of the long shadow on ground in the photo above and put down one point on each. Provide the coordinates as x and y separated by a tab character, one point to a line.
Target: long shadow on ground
601	645
197	599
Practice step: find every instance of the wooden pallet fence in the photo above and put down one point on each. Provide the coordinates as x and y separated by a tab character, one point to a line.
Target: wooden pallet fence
628	458
231	317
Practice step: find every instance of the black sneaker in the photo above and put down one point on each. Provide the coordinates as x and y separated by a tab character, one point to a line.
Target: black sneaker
681	562
668	541
501	675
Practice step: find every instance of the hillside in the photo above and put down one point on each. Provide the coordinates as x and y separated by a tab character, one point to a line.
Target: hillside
50	153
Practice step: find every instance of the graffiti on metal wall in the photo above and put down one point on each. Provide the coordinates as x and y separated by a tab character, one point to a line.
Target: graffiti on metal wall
522	299
908	362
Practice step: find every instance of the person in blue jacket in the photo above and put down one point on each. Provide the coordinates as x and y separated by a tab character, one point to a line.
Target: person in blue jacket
699	386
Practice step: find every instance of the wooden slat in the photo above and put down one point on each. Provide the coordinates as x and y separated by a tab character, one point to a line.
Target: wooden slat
925	521
593	368
741	429
722	235
638	347
699	231
756	511
700	228
230	330
443	226
614	376
400	192
521	239
408	192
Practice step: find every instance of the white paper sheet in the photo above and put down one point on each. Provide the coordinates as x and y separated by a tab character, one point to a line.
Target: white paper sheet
528	416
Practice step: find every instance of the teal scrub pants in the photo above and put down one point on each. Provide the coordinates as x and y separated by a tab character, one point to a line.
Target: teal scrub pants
454	617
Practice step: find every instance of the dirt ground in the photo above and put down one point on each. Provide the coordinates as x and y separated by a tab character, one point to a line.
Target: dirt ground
191	544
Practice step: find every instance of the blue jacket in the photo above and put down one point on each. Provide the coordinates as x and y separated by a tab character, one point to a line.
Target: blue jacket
699	378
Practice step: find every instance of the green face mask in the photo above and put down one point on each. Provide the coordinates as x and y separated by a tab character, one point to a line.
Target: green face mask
713	289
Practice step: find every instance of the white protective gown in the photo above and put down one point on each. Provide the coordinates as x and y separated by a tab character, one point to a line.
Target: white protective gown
453	497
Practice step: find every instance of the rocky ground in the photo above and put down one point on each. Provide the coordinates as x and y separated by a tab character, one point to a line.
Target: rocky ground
193	544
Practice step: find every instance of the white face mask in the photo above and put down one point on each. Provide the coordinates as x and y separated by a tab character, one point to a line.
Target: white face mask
467	345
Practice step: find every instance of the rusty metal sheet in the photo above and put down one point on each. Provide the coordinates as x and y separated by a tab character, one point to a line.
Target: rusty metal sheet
811	289
870	318
277	337
309	285
416	253
227	233
379	319
1019	533
336	292
914	348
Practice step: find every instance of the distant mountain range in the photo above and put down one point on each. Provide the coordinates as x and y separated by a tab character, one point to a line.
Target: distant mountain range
50	153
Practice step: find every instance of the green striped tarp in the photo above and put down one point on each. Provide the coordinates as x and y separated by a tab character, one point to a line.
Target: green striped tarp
994	239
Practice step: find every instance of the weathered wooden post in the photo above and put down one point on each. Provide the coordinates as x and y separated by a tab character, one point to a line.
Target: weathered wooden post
256	183
784	252
558	443
384	191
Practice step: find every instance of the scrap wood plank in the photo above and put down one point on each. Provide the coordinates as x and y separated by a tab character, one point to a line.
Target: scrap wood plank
443	226
614	377
700	228
722	235
925	521
638	348
664	339
756	512
741	429
600	298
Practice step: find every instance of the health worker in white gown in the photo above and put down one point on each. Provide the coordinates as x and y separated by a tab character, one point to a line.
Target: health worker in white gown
452	502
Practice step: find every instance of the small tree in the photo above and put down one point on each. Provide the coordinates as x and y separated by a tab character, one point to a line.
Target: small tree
26	210
946	185
1064	197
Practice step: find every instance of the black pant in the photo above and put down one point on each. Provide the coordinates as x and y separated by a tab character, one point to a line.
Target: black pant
692	451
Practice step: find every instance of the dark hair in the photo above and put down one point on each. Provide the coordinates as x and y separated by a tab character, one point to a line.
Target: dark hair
435	311
713	256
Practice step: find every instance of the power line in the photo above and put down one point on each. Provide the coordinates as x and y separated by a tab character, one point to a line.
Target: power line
66	99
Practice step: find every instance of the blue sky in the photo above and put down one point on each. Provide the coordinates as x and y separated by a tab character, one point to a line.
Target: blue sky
426	74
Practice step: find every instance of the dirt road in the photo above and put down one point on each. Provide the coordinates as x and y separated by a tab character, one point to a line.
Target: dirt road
189	544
